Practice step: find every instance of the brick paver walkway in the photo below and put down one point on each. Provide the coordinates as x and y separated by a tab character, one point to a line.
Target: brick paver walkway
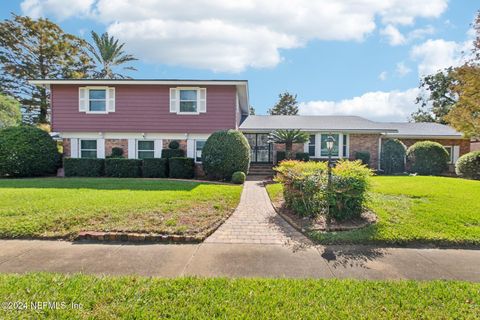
255	221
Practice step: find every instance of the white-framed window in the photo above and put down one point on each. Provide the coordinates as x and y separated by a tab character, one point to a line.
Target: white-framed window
188	100
450	153
311	146
336	144
199	144
88	148
97	99
145	149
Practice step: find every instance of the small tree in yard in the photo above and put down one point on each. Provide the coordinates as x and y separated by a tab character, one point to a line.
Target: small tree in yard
10	114
288	137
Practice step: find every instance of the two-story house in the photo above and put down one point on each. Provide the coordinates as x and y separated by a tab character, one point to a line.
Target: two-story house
143	116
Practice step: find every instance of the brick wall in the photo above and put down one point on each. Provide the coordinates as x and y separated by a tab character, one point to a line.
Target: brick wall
116	143
66	148
463	143
365	142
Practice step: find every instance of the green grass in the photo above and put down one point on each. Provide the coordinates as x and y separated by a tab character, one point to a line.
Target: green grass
415	210
53	207
194	298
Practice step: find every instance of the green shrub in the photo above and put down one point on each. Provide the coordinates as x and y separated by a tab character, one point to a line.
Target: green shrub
86	167
181	168
174	144
393	156
302	156
239	177
116	153
224	153
468	165
27	152
363	156
281	155
123	168
306	189
428	158
172	153
155	168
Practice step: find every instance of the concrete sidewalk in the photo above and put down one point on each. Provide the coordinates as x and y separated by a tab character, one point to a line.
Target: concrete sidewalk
239	260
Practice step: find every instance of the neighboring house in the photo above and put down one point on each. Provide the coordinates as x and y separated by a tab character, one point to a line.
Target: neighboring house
143	116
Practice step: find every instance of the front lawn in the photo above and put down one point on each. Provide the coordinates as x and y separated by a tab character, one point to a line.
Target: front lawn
415	210
194	298
55	207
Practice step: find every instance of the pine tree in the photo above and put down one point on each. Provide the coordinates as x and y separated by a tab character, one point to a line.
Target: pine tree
286	105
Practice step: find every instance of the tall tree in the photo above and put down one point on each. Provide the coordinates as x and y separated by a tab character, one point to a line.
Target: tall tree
38	49
465	114
286	105
251	111
108	54
436	98
10	114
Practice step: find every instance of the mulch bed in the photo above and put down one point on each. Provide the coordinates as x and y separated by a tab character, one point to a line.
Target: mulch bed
305	224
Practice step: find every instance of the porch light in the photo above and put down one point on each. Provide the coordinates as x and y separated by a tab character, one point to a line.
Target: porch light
330	142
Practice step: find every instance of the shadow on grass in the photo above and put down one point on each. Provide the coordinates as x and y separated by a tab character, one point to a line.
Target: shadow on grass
102	184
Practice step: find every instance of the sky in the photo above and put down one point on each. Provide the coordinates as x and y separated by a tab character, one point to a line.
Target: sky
356	57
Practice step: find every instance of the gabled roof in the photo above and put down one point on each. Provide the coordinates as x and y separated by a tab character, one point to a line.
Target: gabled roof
314	123
422	129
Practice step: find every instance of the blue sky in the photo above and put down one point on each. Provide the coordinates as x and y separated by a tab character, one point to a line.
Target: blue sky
361	57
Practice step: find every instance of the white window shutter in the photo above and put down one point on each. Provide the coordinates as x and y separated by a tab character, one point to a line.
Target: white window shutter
190	148
158	145
73	148
456	153
101	148
132	149
306	145
110	99
174	100
202	101
82	99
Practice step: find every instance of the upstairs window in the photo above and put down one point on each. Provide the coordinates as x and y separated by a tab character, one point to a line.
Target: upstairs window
88	149
97	100
188	101
146	149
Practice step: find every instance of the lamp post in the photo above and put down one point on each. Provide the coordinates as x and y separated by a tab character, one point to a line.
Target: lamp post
330	143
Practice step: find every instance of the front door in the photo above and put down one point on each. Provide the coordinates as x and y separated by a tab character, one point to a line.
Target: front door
261	150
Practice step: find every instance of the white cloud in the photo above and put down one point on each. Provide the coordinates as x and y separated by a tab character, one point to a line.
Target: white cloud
378	105
383	75
61	9
395	37
421	33
231	35
434	55
402	69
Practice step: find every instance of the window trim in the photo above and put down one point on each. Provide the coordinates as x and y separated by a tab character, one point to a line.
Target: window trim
195	149
106	99
197	89
137	150
80	148
450	161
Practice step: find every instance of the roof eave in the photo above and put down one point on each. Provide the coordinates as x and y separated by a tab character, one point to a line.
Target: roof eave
137	81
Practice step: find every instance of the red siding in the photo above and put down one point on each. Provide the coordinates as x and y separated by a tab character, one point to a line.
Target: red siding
143	108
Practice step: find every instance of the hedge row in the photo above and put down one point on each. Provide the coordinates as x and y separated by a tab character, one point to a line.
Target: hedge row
176	167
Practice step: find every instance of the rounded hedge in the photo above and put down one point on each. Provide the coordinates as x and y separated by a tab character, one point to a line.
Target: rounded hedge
26	152
174	144
428	158
224	153
468	165
393	156
239	177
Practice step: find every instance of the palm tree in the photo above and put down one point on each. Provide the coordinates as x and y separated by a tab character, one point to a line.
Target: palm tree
288	137
108	54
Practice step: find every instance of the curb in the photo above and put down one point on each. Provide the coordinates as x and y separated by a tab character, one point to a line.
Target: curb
136	237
